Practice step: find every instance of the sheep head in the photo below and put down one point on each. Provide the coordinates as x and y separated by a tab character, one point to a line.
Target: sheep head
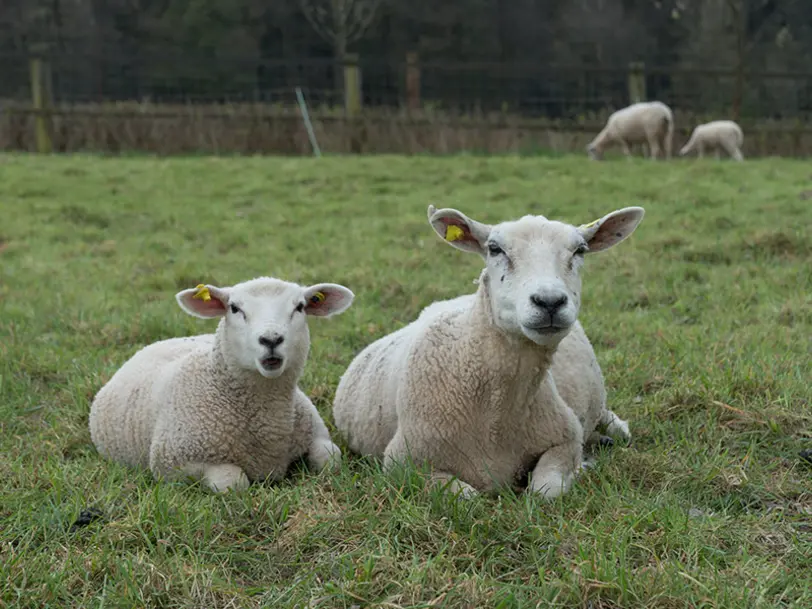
532	265
264	328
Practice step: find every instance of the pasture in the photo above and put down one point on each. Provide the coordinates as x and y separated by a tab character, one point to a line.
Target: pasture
701	321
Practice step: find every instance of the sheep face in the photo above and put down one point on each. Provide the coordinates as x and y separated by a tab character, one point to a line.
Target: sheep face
264	327
594	153
532	265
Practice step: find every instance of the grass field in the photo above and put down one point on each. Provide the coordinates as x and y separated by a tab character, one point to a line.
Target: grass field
702	322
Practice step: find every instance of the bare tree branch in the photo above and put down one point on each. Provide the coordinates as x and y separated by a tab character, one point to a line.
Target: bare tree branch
361	15
340	21
317	16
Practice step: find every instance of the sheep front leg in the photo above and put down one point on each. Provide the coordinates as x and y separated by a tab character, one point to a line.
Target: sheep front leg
452	484
654	146
321	450
626	150
733	151
178	461
397	454
219	478
615	426
556	469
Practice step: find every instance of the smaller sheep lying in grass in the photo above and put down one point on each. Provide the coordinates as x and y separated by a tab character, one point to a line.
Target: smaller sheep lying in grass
224	408
490	386
644	122
716	135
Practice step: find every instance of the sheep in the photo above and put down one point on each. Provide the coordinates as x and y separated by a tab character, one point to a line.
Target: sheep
223	408
726	135
487	386
643	122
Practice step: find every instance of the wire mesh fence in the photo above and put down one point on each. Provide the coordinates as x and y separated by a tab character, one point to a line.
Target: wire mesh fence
108	101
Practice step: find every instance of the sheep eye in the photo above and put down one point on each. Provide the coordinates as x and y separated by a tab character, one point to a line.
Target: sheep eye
235	309
495	250
581	250
300	307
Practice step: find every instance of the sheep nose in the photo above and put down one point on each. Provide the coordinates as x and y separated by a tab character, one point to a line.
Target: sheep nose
551	301
271	342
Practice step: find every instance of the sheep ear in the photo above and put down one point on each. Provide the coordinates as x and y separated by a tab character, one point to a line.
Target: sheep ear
458	230
204	301
612	228
327	299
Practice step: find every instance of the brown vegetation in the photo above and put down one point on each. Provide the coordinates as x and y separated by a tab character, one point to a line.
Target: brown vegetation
275	129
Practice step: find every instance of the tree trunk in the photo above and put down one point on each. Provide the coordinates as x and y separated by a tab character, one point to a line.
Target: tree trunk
340	52
740	23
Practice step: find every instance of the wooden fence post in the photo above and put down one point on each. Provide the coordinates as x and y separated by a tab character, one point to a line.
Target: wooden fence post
412	81
637	82
41	105
352	85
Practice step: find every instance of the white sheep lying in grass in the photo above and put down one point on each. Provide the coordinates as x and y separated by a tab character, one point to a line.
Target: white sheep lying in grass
716	135
224	408
479	386
643	122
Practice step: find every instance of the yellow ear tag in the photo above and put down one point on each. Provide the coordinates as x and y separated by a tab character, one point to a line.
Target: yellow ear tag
318	297
590	225
453	233
202	293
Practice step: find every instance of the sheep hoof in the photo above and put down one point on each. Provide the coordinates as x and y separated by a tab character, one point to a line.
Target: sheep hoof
226	477
606	442
454	486
325	454
550	484
462	490
588	463
619	429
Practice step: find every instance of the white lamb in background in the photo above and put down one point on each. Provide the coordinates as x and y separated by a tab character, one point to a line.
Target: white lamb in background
487	386
716	135
224	408
643	122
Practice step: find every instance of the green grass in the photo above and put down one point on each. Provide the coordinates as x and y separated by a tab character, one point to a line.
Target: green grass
702	322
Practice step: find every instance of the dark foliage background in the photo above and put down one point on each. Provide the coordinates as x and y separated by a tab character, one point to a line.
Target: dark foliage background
554	58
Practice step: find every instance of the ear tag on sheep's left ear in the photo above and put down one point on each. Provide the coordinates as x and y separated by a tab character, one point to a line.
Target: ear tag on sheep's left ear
318	298
453	233
202	293
590	225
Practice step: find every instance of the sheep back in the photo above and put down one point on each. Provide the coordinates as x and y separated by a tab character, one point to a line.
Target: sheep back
125	410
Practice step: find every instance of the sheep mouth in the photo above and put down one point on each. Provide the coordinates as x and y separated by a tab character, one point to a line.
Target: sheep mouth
548	328
548	334
271	363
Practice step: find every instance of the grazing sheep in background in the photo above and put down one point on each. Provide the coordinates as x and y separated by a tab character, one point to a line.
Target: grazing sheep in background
644	122
716	135
487	386
224	408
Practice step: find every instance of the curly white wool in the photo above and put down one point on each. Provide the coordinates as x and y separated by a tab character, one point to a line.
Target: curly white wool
224	408
651	123
716	136
488	386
